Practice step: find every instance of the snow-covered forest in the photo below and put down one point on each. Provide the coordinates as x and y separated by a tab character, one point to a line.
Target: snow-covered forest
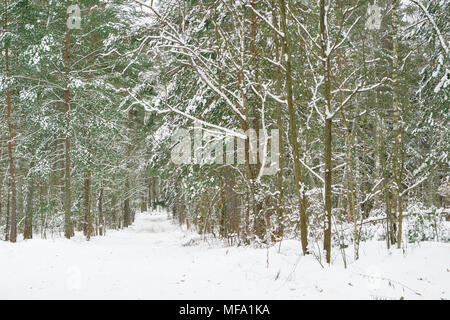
274	132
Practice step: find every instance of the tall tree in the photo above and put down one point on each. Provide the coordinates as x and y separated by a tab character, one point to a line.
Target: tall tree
293	130
12	137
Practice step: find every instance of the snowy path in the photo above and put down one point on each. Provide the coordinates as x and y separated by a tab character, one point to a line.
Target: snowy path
149	261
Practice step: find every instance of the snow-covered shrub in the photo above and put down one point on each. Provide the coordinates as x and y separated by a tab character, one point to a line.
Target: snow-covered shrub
444	190
373	231
428	225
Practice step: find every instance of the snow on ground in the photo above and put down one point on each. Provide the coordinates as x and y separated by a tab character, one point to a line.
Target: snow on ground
150	260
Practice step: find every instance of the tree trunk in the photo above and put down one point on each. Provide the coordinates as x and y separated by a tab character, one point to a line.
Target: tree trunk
8	209
1	178
327	224
115	223
126	206
350	132
28	231
20	172
11	141
88	226
327	134
149	205
279	112
102	224
298	176
259	225
68	224
396	123
390	224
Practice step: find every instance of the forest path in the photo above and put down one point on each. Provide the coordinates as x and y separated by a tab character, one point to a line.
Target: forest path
151	260
148	260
